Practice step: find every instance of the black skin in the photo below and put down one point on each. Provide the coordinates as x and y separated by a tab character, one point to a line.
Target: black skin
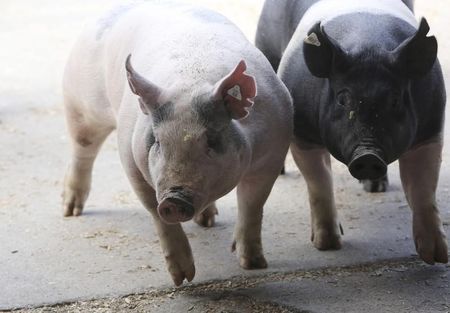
367	96
277	24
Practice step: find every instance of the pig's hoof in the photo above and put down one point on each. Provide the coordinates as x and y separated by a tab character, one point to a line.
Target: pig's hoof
324	239
207	217
181	268
251	263
257	261
432	247
375	185
73	202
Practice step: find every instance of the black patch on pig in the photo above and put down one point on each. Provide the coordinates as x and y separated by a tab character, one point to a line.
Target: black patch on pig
211	113
164	112
221	132
215	141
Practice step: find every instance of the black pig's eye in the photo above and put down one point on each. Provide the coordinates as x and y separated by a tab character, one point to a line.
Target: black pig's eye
395	102
344	98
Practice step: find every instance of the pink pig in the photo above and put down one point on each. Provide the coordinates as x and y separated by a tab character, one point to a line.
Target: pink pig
198	111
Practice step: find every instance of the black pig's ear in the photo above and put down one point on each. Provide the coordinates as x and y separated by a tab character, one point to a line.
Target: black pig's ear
416	55
322	52
147	91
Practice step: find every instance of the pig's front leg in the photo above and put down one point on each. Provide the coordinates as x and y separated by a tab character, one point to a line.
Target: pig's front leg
173	240
316	168
252	193
419	171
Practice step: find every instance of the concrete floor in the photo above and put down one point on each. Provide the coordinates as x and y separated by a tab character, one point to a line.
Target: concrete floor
112	250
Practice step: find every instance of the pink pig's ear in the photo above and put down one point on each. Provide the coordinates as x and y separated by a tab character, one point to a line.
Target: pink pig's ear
236	102
147	91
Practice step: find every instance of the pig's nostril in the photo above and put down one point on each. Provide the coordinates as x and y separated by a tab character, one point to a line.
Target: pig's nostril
359	166
377	168
167	210
174	210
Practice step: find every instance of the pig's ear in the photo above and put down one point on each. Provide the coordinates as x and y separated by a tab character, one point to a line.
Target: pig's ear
237	89
416	55
147	91
321	52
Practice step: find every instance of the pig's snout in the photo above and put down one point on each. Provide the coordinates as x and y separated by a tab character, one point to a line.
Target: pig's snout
175	210
367	165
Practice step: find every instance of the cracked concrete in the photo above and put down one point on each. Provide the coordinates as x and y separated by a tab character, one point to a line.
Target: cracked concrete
112	255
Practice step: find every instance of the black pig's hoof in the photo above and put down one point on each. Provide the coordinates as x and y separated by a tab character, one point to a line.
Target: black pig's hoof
376	185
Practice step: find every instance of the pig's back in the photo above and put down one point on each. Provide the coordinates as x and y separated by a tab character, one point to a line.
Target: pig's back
171	44
180	42
281	19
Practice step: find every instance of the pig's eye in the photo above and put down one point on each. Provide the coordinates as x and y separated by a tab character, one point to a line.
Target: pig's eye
344	98
395	104
156	144
214	142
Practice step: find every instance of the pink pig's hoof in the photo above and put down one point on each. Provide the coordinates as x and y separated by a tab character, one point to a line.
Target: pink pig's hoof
179	277
72	205
179	260
207	217
252	263
432	250
324	239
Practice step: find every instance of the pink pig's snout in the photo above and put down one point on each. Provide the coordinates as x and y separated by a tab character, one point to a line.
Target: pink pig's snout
174	210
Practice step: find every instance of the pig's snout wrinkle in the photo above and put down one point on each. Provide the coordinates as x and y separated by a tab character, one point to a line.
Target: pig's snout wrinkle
174	211
367	165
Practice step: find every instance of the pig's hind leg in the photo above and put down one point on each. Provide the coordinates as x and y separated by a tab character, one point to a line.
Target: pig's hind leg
87	136
419	172
315	166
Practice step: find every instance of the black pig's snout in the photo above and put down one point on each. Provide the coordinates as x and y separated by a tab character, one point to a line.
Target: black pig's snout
367	165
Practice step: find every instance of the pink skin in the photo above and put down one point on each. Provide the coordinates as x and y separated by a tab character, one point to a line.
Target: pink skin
188	65
172	212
